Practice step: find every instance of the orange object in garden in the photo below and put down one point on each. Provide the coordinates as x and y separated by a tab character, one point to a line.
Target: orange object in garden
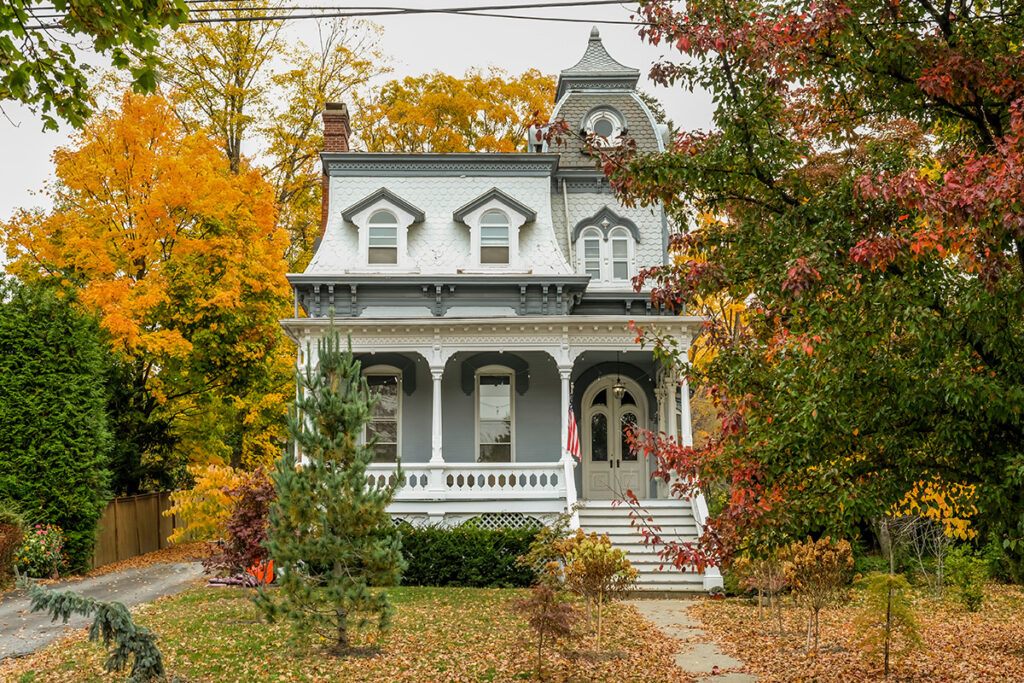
263	572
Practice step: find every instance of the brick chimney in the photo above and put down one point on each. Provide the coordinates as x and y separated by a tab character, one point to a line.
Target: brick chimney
336	132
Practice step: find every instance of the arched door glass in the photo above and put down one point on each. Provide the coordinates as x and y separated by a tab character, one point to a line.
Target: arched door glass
628	422
599	437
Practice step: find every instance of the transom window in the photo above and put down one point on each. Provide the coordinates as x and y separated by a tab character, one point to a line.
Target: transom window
606	260
383	238
494	399
494	237
383	428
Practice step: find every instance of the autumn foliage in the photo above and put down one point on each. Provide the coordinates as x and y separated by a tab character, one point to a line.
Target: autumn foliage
182	261
480	112
860	194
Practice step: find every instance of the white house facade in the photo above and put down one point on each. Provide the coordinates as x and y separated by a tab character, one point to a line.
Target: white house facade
488	294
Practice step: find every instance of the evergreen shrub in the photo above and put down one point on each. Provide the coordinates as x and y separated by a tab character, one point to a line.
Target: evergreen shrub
467	555
54	439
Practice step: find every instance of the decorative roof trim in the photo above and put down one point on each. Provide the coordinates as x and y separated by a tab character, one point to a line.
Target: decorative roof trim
494	193
384	194
596	68
613	219
474	164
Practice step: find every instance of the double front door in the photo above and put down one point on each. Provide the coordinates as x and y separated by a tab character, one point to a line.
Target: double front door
610	466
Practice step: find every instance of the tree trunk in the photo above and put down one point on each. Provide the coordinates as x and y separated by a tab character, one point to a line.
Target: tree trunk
342	644
888	629
600	605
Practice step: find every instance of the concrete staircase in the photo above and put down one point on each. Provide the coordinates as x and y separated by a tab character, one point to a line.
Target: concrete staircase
674	517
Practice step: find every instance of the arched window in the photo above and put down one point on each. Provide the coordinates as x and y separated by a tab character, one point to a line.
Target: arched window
607	257
383	238
621	258
606	125
592	253
494	237
495	405
385	425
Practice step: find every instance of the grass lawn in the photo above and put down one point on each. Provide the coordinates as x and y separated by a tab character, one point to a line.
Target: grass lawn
439	634
958	645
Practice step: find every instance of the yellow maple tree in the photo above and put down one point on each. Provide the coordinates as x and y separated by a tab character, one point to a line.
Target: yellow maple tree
484	111
182	261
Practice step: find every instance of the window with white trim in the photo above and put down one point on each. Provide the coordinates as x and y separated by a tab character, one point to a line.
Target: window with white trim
606	127
607	260
591	253
495	407
382	244
494	237
383	430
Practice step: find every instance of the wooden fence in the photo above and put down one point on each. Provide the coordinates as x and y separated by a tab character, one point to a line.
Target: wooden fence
133	525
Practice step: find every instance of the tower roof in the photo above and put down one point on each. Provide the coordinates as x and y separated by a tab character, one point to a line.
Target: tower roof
597	69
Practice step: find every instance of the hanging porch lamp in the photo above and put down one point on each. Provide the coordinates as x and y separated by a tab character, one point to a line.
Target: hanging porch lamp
618	389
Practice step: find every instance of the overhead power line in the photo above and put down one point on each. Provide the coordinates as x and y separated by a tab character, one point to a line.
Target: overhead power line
332	12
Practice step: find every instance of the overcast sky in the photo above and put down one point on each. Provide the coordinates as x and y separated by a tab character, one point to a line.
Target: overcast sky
416	44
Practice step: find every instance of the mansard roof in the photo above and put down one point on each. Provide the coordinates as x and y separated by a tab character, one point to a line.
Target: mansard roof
494	193
386	195
597	69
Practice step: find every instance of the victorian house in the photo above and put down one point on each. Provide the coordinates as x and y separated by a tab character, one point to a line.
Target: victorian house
487	295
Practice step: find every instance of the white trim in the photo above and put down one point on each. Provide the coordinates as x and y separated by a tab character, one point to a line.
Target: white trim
502	371
515	222
389	371
606	256
404	219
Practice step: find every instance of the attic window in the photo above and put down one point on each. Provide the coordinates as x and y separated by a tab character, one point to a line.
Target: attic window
383	238
494	237
606	126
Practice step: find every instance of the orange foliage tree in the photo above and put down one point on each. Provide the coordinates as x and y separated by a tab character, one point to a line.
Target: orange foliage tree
437	112
182	261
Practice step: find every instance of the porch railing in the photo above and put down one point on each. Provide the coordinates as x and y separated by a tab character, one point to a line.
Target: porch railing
476	481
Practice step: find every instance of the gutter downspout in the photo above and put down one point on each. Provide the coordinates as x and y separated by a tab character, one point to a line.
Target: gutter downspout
568	232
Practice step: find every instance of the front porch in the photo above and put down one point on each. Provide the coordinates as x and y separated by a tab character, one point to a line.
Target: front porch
491	397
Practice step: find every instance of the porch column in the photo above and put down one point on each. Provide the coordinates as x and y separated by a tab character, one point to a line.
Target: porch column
436	456
686	426
568	463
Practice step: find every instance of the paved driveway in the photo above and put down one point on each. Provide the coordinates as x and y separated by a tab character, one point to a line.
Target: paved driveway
22	632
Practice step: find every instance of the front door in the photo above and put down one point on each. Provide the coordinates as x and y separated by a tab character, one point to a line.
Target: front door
610	467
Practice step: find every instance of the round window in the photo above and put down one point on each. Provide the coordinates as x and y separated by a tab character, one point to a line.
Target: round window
606	125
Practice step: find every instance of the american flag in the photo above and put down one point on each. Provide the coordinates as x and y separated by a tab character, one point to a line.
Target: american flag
573	442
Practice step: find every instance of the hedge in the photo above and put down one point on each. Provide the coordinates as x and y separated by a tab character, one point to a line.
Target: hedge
467	556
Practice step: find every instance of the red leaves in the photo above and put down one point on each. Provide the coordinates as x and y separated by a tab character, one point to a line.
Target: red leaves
800	277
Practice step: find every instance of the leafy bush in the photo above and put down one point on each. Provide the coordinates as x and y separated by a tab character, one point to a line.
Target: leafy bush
12	534
54	437
817	571
967	574
204	510
246	528
41	554
598	572
886	624
765	575
112	625
467	555
549	615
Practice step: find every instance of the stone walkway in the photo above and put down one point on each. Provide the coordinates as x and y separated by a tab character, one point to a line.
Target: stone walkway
699	657
23	632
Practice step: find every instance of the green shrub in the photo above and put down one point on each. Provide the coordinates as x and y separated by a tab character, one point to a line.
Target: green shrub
967	575
12	534
41	555
467	555
54	439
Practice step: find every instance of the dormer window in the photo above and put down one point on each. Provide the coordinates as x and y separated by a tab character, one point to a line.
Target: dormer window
494	237
383	238
383	220
606	248
494	219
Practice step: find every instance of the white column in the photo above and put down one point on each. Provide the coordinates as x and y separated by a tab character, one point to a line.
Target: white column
568	461
686	436
436	457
